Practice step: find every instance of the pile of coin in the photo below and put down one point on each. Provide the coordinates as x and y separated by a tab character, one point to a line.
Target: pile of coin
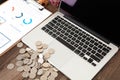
34	64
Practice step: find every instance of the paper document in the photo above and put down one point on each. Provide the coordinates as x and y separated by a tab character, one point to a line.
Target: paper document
17	18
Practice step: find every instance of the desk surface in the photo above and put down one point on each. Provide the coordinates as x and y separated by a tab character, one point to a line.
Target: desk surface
110	71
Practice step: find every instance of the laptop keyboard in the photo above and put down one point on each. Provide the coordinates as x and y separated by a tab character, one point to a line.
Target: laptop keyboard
84	45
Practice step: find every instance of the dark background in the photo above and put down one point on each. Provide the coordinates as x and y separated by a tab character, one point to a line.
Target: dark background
102	16
1	1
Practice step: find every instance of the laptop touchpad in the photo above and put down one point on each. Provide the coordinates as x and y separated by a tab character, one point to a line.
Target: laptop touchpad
62	54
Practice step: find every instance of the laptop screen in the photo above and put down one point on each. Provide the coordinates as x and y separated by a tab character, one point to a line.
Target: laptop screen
101	16
2	1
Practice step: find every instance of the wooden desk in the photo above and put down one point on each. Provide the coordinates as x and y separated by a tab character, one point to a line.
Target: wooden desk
111	70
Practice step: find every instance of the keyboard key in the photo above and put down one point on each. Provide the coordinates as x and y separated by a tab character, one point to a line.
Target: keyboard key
81	54
65	43
93	64
90	60
85	58
77	51
95	58
99	56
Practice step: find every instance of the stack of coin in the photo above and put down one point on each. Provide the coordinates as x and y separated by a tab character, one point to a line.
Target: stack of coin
34	64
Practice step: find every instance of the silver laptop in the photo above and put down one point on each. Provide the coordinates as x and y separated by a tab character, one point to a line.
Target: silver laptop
84	35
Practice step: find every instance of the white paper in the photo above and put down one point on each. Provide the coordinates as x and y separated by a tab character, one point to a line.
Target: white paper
17	18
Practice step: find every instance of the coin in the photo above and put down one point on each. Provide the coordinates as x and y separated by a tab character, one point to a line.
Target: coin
43	78
51	78
20	68
39	47
37	65
33	64
22	50
45	46
46	56
40	50
54	74
51	51
30	62
38	43
26	55
36	79
33	70
19	63
25	61
28	49
47	73
10	66
32	75
46	65
26	68
20	44
40	72
25	74
33	56
20	57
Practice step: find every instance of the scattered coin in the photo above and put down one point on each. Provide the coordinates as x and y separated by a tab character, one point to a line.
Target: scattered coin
43	78
20	68
27	68
40	72
47	73
36	79
10	66
40	50
33	70
46	56
20	57
51	78
30	62
39	47
46	64
28	49
22	50
34	63
54	74
25	61
25	74
26	55
19	63
45	46
38	43
51	51
33	56
20	44
32	75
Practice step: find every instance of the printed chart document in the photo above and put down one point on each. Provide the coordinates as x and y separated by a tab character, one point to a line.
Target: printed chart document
17	18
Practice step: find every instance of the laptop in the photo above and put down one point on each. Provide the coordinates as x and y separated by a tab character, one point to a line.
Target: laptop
84	34
15	21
